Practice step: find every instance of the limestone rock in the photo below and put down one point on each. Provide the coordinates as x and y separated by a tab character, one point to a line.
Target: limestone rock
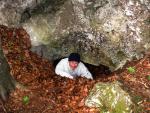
108	32
104	32
13	12
110	98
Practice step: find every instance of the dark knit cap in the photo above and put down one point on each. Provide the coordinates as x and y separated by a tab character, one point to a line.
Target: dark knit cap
74	57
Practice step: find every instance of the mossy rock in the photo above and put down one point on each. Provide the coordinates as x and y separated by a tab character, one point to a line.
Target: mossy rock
110	98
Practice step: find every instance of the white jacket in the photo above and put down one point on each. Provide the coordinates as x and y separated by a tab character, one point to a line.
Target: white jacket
63	69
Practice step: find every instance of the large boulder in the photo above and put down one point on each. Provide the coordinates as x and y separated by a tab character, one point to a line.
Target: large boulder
110	98
104	32
13	11
108	32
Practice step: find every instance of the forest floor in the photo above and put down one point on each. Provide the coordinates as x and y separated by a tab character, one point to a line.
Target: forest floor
46	92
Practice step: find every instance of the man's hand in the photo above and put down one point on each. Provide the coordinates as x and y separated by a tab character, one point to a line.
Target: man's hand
69	76
88	77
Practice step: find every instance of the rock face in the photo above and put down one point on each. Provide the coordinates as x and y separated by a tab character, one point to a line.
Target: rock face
11	11
110	98
15	12
7	83
108	32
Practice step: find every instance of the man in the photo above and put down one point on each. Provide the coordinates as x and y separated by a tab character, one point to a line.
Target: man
71	67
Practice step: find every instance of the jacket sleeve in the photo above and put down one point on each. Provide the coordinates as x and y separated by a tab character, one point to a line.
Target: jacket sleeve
59	70
84	72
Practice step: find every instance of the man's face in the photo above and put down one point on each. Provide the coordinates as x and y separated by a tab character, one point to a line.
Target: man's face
73	64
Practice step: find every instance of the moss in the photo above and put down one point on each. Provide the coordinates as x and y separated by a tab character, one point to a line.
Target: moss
145	32
137	108
110	97
120	107
96	24
147	21
136	99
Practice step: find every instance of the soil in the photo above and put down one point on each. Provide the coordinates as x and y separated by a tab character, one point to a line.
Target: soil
50	93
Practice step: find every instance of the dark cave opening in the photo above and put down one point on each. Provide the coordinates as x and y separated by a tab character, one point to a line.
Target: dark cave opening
96	71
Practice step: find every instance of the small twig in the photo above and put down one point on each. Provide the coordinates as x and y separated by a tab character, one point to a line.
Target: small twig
4	109
46	109
143	84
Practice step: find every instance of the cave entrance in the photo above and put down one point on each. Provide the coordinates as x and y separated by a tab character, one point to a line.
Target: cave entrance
96	71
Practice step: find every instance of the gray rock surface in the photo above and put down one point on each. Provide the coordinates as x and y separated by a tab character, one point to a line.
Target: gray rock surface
7	83
108	32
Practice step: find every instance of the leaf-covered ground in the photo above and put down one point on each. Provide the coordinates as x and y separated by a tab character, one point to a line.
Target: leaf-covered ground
49	93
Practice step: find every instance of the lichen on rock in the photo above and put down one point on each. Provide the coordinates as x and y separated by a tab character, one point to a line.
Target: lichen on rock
110	98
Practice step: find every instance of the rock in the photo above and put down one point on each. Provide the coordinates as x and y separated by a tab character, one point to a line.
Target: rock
107	32
15	12
104	32
7	83
109	97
